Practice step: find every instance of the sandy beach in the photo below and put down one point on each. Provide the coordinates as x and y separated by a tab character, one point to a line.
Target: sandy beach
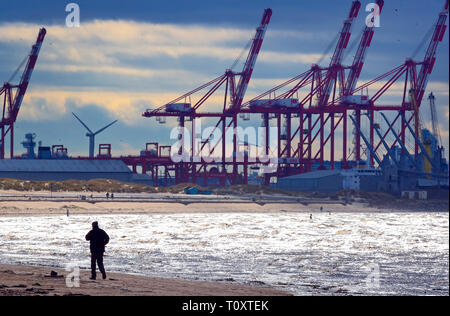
10	208
33	204
41	208
36	203
29	281
39	203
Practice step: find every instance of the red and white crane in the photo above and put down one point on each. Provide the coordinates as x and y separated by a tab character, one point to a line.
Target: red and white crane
358	61
236	93
353	76
246	73
338	54
430	56
325	97
12	101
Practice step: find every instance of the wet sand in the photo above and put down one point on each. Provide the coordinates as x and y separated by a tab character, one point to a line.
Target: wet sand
32	281
34	205
37	208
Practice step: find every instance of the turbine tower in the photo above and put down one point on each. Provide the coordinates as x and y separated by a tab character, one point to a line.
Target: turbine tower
91	134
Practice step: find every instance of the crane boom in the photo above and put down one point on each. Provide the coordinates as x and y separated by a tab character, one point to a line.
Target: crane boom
24	81
358	61
430	56
251	59
339	51
12	95
434	119
418	122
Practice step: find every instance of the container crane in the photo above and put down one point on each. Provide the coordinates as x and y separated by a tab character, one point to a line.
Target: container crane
231	104
335	74
430	56
358	61
419	84
336	60
352	79
237	93
313	123
413	87
12	101
247	71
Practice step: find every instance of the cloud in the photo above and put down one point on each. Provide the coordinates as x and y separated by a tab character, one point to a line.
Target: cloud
104	42
52	103
170	59
277	57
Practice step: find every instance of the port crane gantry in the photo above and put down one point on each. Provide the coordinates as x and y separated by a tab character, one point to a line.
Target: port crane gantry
13	94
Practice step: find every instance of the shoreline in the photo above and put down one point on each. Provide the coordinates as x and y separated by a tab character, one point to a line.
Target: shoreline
11	208
25	280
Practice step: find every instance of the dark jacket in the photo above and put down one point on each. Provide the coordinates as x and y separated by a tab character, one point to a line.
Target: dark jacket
98	239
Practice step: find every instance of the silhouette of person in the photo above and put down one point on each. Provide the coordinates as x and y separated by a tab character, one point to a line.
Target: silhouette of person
107	195
98	238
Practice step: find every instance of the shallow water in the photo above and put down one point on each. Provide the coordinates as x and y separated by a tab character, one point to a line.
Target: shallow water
337	253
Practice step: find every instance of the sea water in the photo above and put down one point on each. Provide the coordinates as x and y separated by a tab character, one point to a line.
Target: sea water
347	253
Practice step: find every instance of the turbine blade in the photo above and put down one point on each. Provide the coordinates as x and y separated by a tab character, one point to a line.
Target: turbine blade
82	123
102	129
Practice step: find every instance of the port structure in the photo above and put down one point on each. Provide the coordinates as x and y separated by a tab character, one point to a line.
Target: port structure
12	95
315	113
235	86
309	110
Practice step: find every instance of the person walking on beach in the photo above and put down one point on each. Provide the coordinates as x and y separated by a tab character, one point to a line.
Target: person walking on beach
98	239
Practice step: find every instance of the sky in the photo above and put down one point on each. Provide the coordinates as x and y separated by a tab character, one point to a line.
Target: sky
129	56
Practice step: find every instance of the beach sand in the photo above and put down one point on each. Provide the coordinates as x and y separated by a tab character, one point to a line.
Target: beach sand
36	206
31	204
17	280
23	208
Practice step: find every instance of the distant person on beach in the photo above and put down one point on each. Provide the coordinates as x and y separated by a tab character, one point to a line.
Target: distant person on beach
98	240
112	196
107	195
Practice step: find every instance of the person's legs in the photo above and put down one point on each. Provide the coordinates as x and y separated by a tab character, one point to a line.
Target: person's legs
93	260
101	266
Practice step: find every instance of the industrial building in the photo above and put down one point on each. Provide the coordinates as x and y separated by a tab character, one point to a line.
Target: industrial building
326	181
332	181
64	169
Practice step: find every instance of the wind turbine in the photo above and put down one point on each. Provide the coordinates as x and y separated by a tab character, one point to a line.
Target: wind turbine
91	135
